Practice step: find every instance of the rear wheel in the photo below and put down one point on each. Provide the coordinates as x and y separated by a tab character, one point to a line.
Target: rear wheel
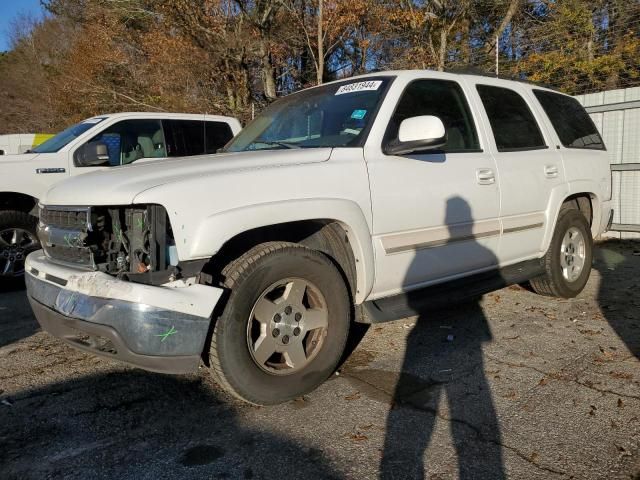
17	240
567	263
285	324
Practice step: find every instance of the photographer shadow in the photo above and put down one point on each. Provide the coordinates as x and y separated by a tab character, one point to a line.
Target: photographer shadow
444	358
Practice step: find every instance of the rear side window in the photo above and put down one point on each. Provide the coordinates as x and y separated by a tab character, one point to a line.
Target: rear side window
570	121
184	137
514	126
445	100
216	134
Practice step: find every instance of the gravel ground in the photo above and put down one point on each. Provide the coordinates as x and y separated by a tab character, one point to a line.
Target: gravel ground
516	386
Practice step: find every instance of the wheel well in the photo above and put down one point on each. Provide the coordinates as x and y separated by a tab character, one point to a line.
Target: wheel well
324	235
18	201
581	202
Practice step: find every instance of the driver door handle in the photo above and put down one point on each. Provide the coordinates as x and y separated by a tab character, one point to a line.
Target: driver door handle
485	176
551	171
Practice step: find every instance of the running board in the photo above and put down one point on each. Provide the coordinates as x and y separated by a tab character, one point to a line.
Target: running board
443	294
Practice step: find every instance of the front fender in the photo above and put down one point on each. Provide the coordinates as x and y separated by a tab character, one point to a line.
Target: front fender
214	231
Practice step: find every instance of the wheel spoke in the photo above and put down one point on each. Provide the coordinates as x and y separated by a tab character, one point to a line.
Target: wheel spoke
264	310
265	347
9	267
314	319
15	236
295	355
294	293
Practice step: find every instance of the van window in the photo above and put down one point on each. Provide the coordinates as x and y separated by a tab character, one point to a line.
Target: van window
514	126
131	140
216	134
184	137
445	100
570	121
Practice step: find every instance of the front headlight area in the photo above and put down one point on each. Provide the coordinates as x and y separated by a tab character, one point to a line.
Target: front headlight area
133	242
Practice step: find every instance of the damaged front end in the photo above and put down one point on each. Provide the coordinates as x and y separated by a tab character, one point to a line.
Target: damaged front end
132	243
108	281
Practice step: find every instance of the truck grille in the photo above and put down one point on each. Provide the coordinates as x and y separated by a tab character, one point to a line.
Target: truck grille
65	234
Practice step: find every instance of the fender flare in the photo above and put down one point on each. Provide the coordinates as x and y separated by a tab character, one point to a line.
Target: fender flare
214	231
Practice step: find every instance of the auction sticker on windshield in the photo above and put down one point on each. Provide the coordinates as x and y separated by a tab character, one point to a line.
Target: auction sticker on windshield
359	87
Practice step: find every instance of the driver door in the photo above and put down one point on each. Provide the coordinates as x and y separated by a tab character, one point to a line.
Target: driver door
435	213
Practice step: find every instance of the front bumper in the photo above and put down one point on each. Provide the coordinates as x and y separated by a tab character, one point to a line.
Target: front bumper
161	329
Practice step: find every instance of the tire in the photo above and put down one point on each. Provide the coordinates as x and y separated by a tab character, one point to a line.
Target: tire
277	270
18	238
558	280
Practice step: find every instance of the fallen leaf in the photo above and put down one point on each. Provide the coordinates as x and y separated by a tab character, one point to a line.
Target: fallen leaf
353	396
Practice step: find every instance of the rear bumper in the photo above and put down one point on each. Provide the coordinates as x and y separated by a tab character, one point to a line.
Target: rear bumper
161	329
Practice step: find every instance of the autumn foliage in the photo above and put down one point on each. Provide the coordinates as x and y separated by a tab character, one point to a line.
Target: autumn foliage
235	56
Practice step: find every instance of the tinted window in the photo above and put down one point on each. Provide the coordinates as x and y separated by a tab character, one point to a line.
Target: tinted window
131	140
572	124
513	124
216	134
443	99
184	137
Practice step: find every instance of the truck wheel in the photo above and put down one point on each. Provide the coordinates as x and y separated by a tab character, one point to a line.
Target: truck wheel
567	263
17	240
285	324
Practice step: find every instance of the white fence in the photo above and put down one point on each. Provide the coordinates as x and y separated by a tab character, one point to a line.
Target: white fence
616	113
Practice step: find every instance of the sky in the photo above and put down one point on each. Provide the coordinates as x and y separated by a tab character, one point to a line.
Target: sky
8	11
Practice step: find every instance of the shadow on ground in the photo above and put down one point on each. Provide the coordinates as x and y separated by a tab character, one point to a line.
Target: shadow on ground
139	425
619	293
16	319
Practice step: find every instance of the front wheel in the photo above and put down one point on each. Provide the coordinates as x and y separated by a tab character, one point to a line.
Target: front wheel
285	324
17	240
567	263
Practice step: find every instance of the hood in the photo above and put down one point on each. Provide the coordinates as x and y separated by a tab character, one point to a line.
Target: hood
120	185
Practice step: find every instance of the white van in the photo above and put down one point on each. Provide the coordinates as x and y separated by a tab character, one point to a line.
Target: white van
98	143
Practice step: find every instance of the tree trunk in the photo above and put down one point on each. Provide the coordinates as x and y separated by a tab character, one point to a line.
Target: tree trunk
320	58
268	74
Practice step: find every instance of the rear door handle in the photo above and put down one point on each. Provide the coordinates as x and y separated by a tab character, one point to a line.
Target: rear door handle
550	171
485	176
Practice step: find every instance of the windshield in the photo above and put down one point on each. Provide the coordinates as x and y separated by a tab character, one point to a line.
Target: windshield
63	138
334	115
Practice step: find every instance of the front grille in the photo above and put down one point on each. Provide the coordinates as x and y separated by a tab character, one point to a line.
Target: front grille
67	218
65	235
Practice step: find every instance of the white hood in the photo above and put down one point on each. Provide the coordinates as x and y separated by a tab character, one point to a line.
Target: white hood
120	185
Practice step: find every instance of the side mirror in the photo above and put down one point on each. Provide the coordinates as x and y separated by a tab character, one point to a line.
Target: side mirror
417	134
92	154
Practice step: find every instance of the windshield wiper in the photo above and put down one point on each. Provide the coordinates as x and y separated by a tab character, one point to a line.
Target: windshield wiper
279	144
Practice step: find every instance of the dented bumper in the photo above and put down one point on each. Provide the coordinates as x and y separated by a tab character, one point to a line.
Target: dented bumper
160	328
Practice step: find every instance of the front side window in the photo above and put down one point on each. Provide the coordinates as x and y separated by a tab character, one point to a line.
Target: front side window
443	99
514	126
65	137
332	115
131	140
570	121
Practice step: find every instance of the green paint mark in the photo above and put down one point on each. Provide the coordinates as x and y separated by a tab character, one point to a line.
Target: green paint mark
140	223
167	334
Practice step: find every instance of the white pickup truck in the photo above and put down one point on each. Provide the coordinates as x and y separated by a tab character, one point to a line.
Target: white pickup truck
97	143
363	200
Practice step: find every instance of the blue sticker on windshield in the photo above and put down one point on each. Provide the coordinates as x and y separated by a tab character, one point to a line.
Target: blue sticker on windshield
358	114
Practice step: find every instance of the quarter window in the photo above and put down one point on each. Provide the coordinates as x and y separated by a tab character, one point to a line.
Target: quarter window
570	121
514	126
445	100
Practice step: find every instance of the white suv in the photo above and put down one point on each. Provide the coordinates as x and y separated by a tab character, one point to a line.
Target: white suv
97	143
359	200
